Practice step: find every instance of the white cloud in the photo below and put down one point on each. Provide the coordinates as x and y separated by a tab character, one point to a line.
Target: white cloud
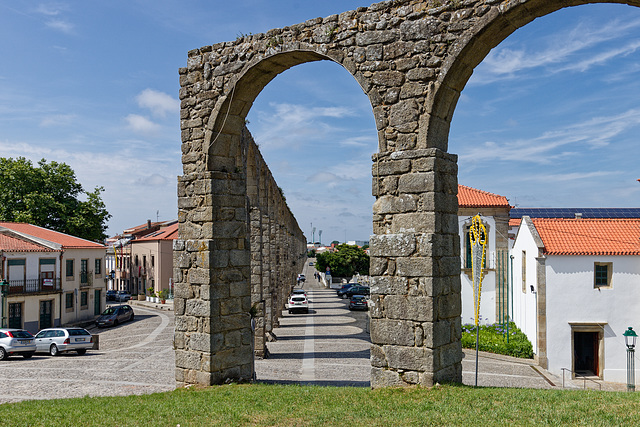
293	125
57	120
574	176
141	124
359	141
51	9
159	103
546	148
153	180
60	25
558	51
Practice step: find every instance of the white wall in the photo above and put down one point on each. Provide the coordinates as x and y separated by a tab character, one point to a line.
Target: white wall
571	297
525	303
488	293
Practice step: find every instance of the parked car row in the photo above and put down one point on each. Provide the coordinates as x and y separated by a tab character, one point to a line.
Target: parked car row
53	341
119	296
351	289
357	294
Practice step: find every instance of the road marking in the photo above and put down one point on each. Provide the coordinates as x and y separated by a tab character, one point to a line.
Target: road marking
308	356
153	335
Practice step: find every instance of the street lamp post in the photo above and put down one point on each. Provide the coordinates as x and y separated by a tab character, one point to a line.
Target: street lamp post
630	340
4	292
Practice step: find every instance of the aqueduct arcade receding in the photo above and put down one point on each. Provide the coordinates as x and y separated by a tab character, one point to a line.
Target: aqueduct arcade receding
238	241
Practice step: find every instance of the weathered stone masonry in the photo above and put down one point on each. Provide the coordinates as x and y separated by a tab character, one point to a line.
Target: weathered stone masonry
412	59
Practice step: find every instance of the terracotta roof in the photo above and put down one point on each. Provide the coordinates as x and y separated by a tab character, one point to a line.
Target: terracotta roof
168	233
564	236
15	244
472	198
67	241
514	222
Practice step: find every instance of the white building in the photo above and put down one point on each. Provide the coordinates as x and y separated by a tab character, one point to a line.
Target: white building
494	212
54	278
576	290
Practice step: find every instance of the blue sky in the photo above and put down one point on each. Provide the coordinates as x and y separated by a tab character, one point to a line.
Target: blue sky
550	118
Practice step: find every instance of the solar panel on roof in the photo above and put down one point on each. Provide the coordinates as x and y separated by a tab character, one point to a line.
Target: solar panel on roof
571	212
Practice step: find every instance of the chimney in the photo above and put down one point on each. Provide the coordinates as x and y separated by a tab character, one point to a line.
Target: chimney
578	215
148	224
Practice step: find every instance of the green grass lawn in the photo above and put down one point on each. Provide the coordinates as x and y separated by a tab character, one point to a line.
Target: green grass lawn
279	405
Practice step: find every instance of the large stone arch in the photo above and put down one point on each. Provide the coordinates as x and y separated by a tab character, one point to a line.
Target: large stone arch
412	58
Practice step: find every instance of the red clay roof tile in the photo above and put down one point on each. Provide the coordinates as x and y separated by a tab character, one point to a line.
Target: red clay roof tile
589	236
469	197
65	240
14	244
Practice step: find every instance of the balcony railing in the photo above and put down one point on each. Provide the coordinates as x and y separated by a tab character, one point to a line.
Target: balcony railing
32	286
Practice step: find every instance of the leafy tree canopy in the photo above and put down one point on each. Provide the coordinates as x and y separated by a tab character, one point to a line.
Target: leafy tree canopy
347	261
48	196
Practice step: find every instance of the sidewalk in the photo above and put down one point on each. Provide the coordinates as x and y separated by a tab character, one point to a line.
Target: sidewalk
168	305
497	370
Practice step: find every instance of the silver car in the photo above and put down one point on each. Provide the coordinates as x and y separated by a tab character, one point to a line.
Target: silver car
59	340
16	341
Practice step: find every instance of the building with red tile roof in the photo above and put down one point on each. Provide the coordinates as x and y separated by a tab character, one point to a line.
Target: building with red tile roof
54	279
576	289
151	257
494	211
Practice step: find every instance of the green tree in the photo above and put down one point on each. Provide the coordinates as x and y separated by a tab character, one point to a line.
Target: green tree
49	196
347	261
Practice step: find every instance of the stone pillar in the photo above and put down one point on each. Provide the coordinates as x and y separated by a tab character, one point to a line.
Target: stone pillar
415	269
257	295
213	337
266	274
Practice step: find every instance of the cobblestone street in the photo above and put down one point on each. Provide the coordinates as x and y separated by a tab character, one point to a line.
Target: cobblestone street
134	358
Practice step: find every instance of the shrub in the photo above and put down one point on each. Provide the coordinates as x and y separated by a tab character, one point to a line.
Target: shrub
494	340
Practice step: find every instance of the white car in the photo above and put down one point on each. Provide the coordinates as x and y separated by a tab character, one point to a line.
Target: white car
298	302
59	340
16	341
301	278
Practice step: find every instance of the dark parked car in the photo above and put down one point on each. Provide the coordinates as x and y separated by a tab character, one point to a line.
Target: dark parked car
357	290
344	289
358	302
112	316
111	295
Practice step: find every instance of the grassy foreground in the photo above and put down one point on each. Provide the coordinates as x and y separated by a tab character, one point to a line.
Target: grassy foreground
280	405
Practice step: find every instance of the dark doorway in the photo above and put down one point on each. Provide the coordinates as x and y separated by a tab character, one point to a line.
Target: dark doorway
45	314
15	315
585	348
97	302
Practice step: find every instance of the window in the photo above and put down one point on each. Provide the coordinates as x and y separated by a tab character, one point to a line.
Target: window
68	298
84	269
98	267
69	269
153	261
602	272
524	272
84	300
467	245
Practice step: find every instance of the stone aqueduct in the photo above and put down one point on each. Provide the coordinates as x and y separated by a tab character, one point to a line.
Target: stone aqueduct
240	246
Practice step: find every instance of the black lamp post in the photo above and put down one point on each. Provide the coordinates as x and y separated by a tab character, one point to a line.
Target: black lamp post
630	340
4	292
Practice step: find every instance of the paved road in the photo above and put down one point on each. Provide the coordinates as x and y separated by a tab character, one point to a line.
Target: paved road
134	358
328	346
